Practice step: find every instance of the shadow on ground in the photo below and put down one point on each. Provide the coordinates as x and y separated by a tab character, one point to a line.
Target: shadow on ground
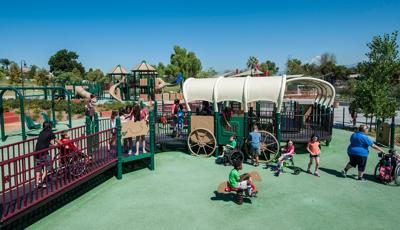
227	197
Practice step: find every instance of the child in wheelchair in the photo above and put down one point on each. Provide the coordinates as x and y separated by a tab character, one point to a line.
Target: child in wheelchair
287	153
68	148
224	157
387	166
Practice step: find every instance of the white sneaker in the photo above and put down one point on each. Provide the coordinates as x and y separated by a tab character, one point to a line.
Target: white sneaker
130	152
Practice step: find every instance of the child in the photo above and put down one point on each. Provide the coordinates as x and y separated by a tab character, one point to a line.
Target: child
254	140
128	116
313	149
141	114
228	147
180	114
287	152
114	115
243	182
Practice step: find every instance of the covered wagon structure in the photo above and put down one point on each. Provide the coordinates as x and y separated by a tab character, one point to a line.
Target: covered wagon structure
259	100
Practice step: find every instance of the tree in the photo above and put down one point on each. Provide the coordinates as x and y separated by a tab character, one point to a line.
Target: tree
96	76
32	72
208	73
293	66
374	90
327	58
67	78
185	62
2	74
15	74
65	61
270	67
252	62
5	63
42	77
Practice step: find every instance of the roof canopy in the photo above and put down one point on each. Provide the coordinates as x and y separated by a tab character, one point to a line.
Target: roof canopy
241	89
118	70
325	91
143	67
249	89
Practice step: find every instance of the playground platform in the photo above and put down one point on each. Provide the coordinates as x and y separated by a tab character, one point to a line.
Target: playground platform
180	194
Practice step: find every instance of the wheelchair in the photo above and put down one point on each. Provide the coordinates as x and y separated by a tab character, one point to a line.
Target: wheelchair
388	168
75	163
232	155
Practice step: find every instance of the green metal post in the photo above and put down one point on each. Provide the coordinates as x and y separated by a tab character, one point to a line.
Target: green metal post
344	114
96	129
278	127
88	123
392	133
258	108
323	109
53	109
246	125
216	132
314	112
301	117
119	148
69	110
189	120
152	138
45	92
3	132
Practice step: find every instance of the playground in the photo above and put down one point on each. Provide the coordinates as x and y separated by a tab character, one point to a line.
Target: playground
187	129
174	197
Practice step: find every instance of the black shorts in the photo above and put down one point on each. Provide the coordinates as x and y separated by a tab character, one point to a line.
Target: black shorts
358	160
42	162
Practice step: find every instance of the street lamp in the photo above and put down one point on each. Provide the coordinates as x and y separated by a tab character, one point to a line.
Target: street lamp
23	64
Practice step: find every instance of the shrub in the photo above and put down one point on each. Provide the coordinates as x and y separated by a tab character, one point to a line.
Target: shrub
59	115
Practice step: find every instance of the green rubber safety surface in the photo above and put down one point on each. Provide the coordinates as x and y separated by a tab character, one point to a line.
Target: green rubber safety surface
179	194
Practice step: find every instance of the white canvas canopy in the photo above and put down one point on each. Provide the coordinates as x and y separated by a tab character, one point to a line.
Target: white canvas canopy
243	90
249	89
325	91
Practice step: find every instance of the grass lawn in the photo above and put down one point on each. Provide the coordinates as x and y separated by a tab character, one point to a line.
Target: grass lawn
179	194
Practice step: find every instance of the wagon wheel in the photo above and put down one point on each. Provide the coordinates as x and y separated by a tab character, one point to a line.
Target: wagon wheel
202	142
269	147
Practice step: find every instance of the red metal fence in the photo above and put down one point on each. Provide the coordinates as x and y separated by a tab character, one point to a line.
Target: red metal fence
29	177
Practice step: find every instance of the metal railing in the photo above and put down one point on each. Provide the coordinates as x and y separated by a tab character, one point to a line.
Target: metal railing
28	179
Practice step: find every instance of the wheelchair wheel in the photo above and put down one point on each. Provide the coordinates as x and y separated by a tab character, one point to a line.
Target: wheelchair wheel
77	164
376	172
296	171
397	175
236	155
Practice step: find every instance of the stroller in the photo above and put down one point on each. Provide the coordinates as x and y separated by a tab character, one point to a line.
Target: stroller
388	168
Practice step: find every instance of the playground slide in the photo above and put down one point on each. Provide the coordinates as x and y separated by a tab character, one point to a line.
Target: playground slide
82	92
115	92
161	84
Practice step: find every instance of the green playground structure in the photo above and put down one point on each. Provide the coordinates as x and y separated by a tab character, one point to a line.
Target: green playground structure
26	119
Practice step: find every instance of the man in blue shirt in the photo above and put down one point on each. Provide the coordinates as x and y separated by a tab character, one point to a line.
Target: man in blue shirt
358	151
254	140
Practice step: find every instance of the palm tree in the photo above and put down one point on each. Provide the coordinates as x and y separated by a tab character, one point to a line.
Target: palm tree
252	63
5	62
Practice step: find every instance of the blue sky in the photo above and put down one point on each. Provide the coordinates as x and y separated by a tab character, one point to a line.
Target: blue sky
222	33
